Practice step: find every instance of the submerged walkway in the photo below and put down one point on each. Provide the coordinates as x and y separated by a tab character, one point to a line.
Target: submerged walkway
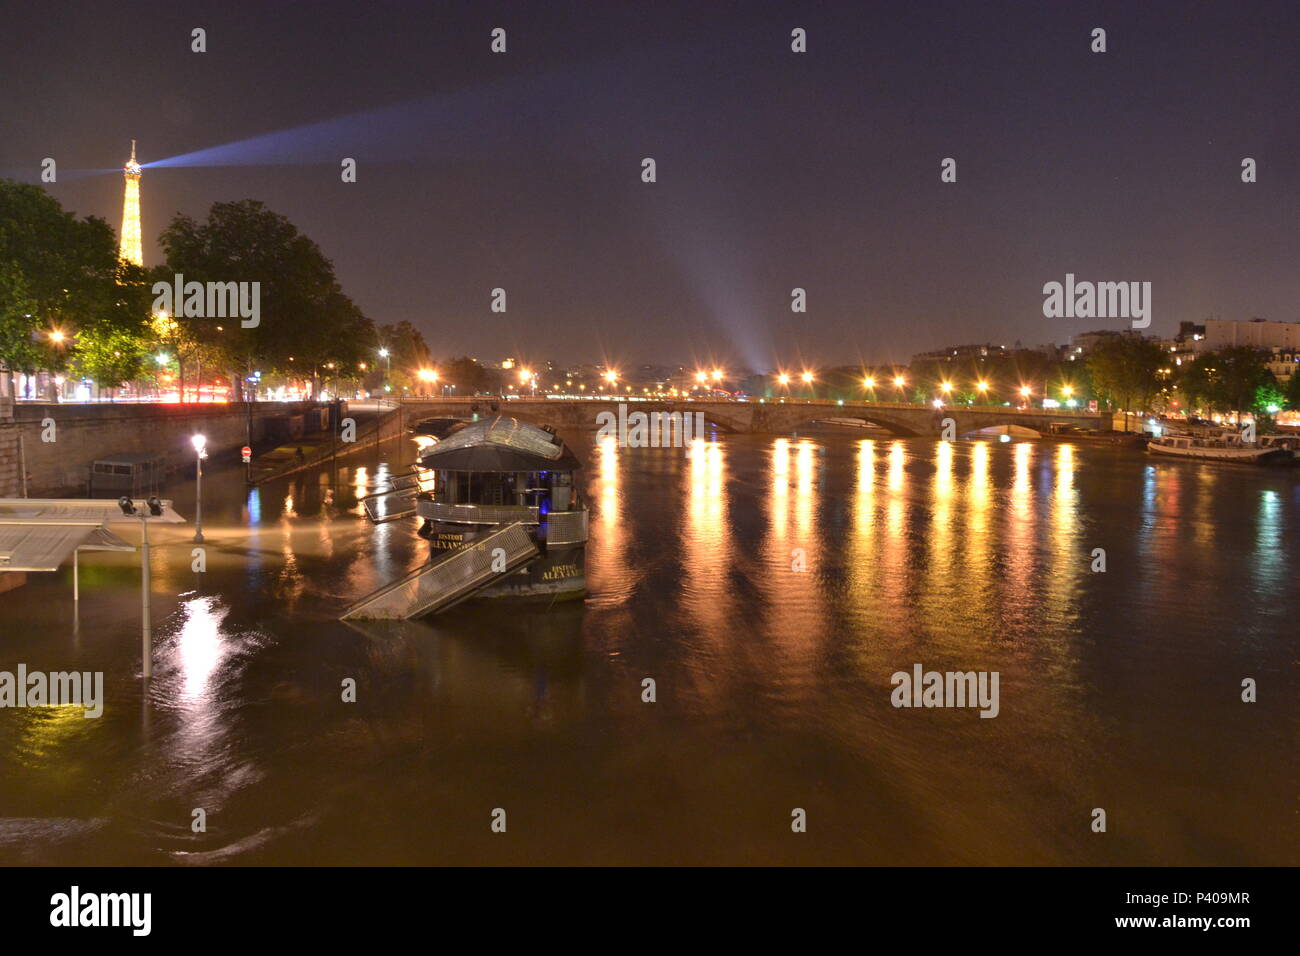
374	421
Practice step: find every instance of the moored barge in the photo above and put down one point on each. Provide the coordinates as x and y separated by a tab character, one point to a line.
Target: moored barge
501	513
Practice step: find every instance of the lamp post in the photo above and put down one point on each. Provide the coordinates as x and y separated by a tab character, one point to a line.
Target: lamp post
200	442
149	509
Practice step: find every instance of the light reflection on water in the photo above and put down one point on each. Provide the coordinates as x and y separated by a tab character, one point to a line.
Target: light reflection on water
770	586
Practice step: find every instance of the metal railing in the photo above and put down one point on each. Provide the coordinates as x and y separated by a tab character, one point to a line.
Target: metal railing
829	403
476	514
566	527
562	527
449	579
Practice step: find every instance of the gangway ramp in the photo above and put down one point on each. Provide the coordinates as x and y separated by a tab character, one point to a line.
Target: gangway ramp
449	578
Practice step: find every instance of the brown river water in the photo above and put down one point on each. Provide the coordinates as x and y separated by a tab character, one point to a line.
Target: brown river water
1118	690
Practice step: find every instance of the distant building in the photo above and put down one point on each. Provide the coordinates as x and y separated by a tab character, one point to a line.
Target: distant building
957	353
1085	342
1256	334
1284	363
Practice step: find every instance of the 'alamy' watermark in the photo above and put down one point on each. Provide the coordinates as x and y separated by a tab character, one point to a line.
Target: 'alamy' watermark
58	689
1098	300
210	300
947	689
651	429
75	908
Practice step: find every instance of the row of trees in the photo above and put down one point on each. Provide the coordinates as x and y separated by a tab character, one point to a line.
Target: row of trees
68	304
1136	375
1121	372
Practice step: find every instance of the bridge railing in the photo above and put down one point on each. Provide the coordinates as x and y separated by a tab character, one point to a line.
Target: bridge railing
828	403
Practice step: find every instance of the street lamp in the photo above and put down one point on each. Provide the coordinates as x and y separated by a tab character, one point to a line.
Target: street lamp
152	509
200	442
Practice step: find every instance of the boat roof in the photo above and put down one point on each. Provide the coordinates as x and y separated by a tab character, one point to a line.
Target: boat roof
500	443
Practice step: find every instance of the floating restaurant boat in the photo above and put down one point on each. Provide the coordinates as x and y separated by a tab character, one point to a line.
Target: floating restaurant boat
1227	446
502	516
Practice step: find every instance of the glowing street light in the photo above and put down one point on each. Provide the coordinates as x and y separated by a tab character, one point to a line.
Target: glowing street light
1026	391
945	387
200	443
717	375
982	386
1067	391
868	382
701	377
807	378
611	376
783	378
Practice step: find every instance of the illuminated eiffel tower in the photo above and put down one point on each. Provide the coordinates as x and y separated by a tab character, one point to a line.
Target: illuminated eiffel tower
130	248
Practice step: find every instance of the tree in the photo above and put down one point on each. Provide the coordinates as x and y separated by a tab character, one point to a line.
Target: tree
466	374
406	347
110	357
1124	371
1227	381
1196	382
21	348
1242	373
59	275
305	319
1293	392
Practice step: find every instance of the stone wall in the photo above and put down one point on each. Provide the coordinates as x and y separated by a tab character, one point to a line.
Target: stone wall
9	480
84	433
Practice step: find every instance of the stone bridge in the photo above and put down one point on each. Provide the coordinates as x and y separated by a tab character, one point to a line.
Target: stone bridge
766	417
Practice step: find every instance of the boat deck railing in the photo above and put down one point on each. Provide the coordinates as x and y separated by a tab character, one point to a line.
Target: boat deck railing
477	514
562	527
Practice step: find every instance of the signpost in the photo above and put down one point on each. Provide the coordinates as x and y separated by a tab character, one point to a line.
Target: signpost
247	454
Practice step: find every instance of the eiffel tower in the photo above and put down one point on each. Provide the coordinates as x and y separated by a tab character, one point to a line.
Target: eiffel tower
130	248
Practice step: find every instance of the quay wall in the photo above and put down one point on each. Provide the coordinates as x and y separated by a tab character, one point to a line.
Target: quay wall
86	432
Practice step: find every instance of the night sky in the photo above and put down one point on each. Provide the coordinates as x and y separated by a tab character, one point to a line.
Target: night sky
775	169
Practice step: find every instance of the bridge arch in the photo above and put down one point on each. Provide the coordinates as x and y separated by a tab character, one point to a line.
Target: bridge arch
802	418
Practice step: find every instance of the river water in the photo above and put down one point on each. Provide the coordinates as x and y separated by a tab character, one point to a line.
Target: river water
770	587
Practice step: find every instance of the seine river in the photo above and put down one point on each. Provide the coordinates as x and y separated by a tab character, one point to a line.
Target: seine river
770	587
